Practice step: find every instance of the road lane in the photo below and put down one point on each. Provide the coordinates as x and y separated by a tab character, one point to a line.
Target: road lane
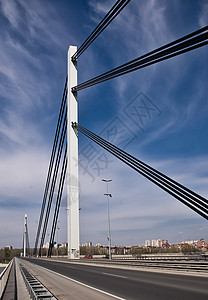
114	275
132	284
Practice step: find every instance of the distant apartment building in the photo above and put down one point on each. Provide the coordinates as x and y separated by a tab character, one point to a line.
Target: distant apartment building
147	243
154	243
192	243
157	243
8	247
46	246
88	244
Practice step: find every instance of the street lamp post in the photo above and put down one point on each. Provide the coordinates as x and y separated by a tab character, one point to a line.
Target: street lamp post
47	233
57	229
109	232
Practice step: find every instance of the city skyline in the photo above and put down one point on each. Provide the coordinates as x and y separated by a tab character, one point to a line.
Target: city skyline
171	136
155	243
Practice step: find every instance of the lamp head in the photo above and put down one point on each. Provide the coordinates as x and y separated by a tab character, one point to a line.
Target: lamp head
106	180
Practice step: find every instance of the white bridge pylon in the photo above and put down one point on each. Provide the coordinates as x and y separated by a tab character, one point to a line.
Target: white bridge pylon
72	162
25	237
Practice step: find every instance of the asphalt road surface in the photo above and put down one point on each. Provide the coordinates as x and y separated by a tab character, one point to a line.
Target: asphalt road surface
132	284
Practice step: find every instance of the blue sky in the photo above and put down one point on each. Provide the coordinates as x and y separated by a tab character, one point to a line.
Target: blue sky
34	39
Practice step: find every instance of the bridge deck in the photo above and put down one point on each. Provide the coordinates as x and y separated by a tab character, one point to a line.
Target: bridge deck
121	282
109	280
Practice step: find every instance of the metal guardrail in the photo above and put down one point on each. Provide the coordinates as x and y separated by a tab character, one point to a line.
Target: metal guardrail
187	266
4	276
169	256
35	288
158	256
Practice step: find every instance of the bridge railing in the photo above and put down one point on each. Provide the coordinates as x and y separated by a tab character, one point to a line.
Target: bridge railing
4	276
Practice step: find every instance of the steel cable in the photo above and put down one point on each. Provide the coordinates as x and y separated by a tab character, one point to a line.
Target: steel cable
172	189
109	17
60	118
58	202
188	43
199	204
55	173
188	192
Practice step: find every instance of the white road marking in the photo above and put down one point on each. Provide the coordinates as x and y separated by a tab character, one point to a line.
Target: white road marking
86	285
115	275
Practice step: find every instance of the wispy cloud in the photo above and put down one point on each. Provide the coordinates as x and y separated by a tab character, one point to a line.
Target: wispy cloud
203	17
29	50
23	172
10	11
34	43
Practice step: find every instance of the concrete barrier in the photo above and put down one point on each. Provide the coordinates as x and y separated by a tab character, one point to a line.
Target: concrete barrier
4	277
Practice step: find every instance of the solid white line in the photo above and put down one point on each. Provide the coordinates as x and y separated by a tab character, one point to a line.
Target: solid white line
83	284
115	275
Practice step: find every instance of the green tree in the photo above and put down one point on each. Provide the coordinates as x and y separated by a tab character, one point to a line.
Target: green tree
7	255
186	248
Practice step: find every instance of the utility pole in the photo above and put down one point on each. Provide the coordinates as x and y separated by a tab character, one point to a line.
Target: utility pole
72	161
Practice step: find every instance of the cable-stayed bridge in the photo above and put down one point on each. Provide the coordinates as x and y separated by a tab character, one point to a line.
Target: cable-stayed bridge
66	153
64	156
